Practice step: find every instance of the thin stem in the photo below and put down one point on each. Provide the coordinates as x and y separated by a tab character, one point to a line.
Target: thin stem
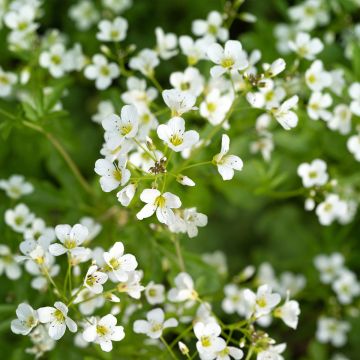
51	281
179	337
137	142
249	354
168	348
195	165
73	167
179	254
152	78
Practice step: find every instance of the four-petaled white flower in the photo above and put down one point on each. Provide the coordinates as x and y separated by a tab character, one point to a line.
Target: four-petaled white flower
145	62
112	30
101	71
183	290
161	203
155	293
226	164
316	77
119	265
305	46
283	114
332	208
174	135
26	321
70	238
165	44
330	330
57	319
209	340
318	103
211	27
54	60
179	102
155	324
95	279
19	217
104	332
16	186
227	59
313	174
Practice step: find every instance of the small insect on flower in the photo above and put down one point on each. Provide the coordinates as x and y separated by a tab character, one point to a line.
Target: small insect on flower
104	332
226	164
57	319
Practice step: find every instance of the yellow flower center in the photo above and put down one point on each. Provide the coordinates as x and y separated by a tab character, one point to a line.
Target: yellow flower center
59	316
176	140
102	330
227	62
205	341
160	201
117	175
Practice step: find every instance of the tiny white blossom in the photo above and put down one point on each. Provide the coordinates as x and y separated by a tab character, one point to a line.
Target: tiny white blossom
329	266
26	321
340	119
346	286
318	103
104	109
211	27
16	186
19	218
179	102
354	92
283	114
353	145
112	30
165	44
209	340
332	208
8	264
57	319
84	14
7	80
305	46
155	293
330	330
194	50
313	174
145	62
184	289
316	77
54	60
272	353
126	194
190	80
289	313
95	279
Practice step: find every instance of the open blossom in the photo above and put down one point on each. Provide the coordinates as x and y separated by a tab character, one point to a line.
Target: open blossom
113	174
112	30
155	293
154	324
354	92
161	203
211	27
227	59
26	321
318	103
57	319
305	46
313	174
329	266
179	102
316	77
84	14
193	220
190	80
22	19
7	80
165	44
101	71
126	194
145	62
346	286
340	119
272	353
16	186
209	340
330	330
119	265
70	239
183	290
54	60
8	264
19	217
226	164
104	332
284	115
95	279
137	92
234	300
332	208
194	50
289	313
175	136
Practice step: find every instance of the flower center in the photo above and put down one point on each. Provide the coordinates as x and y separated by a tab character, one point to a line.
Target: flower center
102	330
114	263
227	62
125	129
205	341
56	59
70	243
176	139
117	175
104	71
211	106
59	316
160	201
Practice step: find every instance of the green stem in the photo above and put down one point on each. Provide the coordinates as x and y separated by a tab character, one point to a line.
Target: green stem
249	354
195	165
152	78
168	348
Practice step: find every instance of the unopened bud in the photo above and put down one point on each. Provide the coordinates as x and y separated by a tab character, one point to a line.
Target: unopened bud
183	348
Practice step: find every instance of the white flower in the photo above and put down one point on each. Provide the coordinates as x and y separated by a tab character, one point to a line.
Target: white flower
7	80
26	321
74	59
8	263
283	114
190	80
113	174
226	164
179	102
101	71
263	301
329	266
103	332
313	174
341	119
21	20
104	109
155	293
193	220
119	264
273	69
112	30
126	194
318	103
184	288
264	145
353	145
95	279
272	353
228	353
289	313
132	285
215	106
346	287
234	300
117	6
54	60
337	81
330	209
228	59
194	50
354	92
87	301
330	330
165	44
155	324
19	218
119	128
137	93
160	203
174	135
16	186
211	27
316	77
306	47
70	238
209	340
84	14
145	62
217	260
185	180
57	319
93	227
